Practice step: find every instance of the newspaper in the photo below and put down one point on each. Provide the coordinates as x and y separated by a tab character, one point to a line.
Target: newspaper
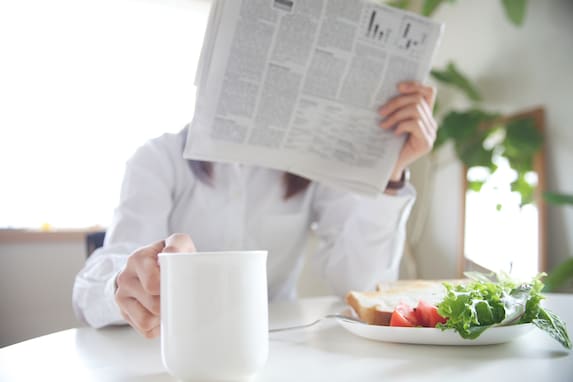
295	85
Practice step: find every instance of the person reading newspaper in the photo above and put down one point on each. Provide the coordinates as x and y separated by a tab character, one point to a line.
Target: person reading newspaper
294	85
169	203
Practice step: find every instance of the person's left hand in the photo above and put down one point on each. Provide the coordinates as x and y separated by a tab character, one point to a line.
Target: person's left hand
411	113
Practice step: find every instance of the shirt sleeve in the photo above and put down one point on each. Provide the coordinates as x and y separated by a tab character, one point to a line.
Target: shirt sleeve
140	218
94	288
361	238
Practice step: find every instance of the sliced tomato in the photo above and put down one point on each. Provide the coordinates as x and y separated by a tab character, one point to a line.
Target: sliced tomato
404	315
428	315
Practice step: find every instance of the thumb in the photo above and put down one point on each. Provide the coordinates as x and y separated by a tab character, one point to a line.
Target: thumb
179	242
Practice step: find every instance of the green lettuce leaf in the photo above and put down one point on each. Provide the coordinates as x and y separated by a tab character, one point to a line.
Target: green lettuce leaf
552	324
484	302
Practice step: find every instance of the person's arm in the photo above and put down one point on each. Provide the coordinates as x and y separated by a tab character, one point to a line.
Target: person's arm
362	239
141	218
94	287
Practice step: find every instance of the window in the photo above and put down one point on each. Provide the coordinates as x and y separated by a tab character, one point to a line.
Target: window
84	83
499	234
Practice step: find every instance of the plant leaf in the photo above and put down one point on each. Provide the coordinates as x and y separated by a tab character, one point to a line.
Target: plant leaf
526	190
430	6
464	129
441	138
463	125
453	77
473	154
522	139
556	198
475	185
558	276
522	142
515	10
401	4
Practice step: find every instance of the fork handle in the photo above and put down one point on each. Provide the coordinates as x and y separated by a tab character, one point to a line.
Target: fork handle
304	326
295	327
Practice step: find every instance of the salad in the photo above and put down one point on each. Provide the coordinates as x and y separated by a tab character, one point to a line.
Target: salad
484	302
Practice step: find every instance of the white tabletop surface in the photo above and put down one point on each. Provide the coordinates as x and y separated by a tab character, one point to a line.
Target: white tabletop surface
325	352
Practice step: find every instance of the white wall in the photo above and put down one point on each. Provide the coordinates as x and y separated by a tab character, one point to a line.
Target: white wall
36	288
515	68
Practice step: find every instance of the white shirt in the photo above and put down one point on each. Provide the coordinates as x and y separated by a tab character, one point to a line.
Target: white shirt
361	237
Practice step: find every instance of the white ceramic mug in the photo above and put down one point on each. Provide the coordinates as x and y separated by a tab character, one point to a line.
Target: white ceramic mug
214	314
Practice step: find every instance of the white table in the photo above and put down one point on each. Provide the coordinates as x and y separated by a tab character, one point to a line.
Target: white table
326	352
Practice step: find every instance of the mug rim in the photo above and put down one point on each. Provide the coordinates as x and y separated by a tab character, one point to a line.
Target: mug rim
259	252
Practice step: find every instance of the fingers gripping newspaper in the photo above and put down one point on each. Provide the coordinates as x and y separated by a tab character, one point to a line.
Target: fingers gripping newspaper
295	85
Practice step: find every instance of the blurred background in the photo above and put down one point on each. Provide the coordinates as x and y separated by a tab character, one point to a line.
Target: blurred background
83	83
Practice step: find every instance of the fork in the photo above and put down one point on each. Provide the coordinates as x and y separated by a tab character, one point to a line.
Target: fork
304	326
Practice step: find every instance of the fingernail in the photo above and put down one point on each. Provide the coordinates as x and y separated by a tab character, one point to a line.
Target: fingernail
382	111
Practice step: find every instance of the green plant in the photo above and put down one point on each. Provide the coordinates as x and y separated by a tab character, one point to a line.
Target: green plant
484	138
514	9
563	272
558	199
559	276
481	137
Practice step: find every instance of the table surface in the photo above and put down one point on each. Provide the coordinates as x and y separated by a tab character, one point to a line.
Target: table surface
324	352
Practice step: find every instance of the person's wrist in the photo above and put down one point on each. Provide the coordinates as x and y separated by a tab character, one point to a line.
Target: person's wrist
115	282
395	185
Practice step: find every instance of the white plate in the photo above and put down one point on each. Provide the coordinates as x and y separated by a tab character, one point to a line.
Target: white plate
432	336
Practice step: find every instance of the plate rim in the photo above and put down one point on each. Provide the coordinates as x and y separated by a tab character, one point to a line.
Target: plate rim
430	336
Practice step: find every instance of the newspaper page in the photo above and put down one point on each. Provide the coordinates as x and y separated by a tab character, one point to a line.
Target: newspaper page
295	85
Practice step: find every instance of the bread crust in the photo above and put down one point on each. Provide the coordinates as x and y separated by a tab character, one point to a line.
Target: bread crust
369	314
376	307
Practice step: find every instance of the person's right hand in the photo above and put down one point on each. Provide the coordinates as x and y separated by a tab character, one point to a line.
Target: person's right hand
137	293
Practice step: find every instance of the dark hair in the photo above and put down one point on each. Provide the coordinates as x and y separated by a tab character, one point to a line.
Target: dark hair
294	184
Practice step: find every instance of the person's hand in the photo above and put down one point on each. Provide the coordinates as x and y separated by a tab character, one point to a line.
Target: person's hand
411	113
137	293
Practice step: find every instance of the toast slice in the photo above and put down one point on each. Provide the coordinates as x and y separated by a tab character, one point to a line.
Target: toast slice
376	307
